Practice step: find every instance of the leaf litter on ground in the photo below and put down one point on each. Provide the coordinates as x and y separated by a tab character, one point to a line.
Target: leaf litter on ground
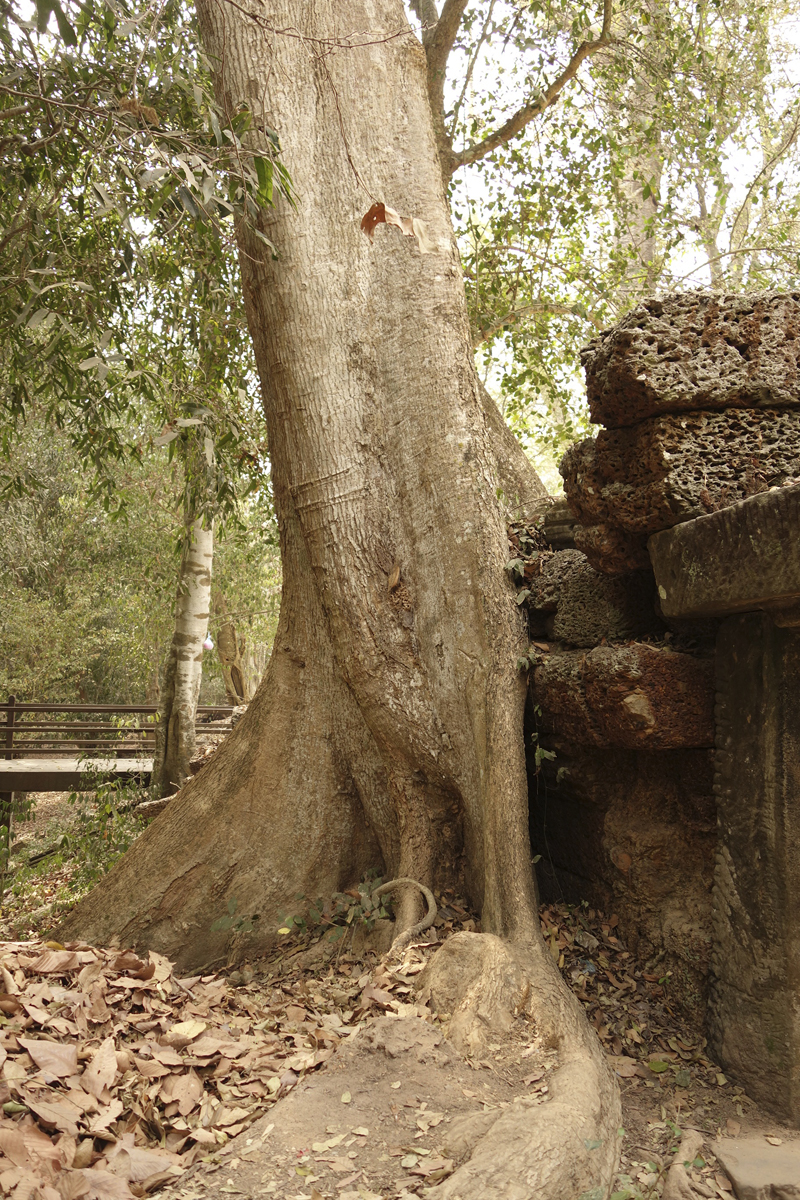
116	1076
658	1054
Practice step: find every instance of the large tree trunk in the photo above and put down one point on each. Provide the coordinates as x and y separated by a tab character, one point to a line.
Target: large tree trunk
175	733
388	729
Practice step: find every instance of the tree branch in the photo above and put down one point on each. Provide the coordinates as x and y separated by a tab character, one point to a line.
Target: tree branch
532	310
766	170
534	108
469	70
438	42
440	39
426	13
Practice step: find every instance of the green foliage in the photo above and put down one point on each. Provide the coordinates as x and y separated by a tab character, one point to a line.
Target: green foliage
86	597
120	305
233	923
246	589
101	826
85	601
669	162
105	826
342	911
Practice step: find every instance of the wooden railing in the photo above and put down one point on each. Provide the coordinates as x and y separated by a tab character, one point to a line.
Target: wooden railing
29	734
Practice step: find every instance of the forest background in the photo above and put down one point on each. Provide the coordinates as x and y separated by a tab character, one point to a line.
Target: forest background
129	405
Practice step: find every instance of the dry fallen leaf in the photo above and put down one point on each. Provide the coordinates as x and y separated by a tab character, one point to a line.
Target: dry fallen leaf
52	1057
102	1070
55	962
184	1032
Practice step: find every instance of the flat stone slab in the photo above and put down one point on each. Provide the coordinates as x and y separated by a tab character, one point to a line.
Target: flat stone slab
628	697
558	525
671	469
758	1170
696	350
741	559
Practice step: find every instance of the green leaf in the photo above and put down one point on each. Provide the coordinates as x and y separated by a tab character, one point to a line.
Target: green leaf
162	196
43	10
263	168
68	35
232	905
262	237
187	200
221	923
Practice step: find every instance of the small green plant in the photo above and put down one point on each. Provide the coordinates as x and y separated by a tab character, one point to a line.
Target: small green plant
49	872
343	911
18	810
241	924
104	826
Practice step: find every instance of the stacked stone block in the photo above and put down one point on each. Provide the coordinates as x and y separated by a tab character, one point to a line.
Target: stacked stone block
700	398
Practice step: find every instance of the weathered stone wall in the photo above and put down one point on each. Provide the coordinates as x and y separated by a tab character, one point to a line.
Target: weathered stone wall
670	469
697	474
700	396
622	816
572	603
626	697
634	832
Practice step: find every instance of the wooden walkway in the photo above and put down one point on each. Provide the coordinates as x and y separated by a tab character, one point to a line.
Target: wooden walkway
49	748
64	774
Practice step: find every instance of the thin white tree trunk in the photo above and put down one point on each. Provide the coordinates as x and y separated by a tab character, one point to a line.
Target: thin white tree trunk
641	179
175	738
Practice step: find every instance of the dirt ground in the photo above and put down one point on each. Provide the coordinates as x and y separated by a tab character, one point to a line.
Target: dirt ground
386	1116
383	1116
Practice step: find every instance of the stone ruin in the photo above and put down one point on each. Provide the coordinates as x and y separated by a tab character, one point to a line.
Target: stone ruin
665	679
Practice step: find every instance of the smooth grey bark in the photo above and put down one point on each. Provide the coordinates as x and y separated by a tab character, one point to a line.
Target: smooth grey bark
641	173
175	733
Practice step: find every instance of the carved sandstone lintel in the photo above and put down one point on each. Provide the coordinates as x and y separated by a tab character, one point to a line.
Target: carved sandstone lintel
741	559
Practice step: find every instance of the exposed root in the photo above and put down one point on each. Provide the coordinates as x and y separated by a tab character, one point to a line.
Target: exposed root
564	1149
405	939
679	1185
